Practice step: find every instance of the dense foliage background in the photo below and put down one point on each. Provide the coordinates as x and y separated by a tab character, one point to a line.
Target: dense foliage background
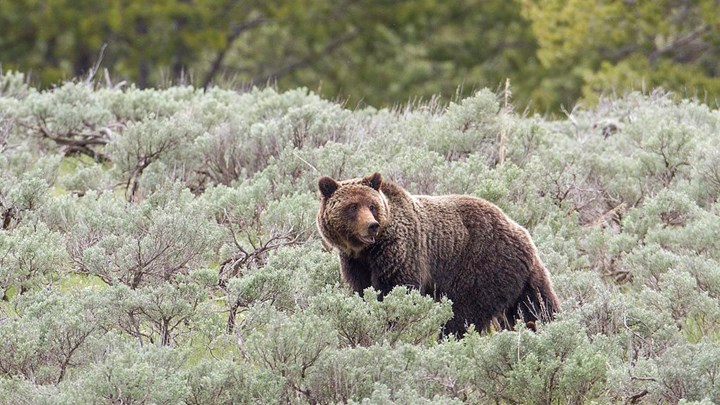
158	246
375	52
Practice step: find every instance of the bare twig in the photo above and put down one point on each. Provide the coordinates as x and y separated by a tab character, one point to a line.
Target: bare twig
78	140
242	258
93	70
306	162
503	130
634	399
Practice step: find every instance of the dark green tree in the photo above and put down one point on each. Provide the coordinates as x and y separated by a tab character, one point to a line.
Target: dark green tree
373	51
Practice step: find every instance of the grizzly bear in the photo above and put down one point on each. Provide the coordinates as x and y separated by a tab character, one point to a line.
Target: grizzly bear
457	246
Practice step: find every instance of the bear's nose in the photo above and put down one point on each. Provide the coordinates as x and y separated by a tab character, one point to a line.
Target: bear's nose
373	227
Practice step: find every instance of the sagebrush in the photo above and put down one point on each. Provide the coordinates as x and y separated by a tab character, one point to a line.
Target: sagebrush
158	246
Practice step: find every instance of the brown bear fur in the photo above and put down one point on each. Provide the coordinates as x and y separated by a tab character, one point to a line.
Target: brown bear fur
457	246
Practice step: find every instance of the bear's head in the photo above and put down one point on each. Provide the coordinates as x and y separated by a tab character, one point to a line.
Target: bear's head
352	213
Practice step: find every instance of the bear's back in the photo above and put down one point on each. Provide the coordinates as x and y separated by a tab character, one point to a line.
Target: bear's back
473	246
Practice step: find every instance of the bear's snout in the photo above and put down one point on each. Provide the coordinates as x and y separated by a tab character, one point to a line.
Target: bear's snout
367	232
373	228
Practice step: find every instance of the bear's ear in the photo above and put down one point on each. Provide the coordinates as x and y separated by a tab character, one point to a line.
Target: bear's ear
327	186
374	181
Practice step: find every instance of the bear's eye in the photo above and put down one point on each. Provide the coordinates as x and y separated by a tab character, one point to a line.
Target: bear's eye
373	208
352	207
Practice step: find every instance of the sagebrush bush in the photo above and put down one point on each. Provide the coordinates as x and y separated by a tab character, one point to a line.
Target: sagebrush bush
159	246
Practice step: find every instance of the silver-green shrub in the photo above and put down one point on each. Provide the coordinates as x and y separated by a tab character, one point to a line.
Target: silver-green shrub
159	246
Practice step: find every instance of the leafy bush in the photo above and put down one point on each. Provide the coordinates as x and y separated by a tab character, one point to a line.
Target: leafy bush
159	246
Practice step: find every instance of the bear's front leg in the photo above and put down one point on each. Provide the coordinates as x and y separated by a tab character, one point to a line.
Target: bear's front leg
356	273
382	286
388	274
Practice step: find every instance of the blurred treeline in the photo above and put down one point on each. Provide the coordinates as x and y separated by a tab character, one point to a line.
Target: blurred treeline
555	52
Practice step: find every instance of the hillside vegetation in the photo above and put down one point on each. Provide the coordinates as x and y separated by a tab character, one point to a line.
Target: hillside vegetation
159	247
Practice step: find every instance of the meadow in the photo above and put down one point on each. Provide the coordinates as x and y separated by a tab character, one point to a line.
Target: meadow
158	246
